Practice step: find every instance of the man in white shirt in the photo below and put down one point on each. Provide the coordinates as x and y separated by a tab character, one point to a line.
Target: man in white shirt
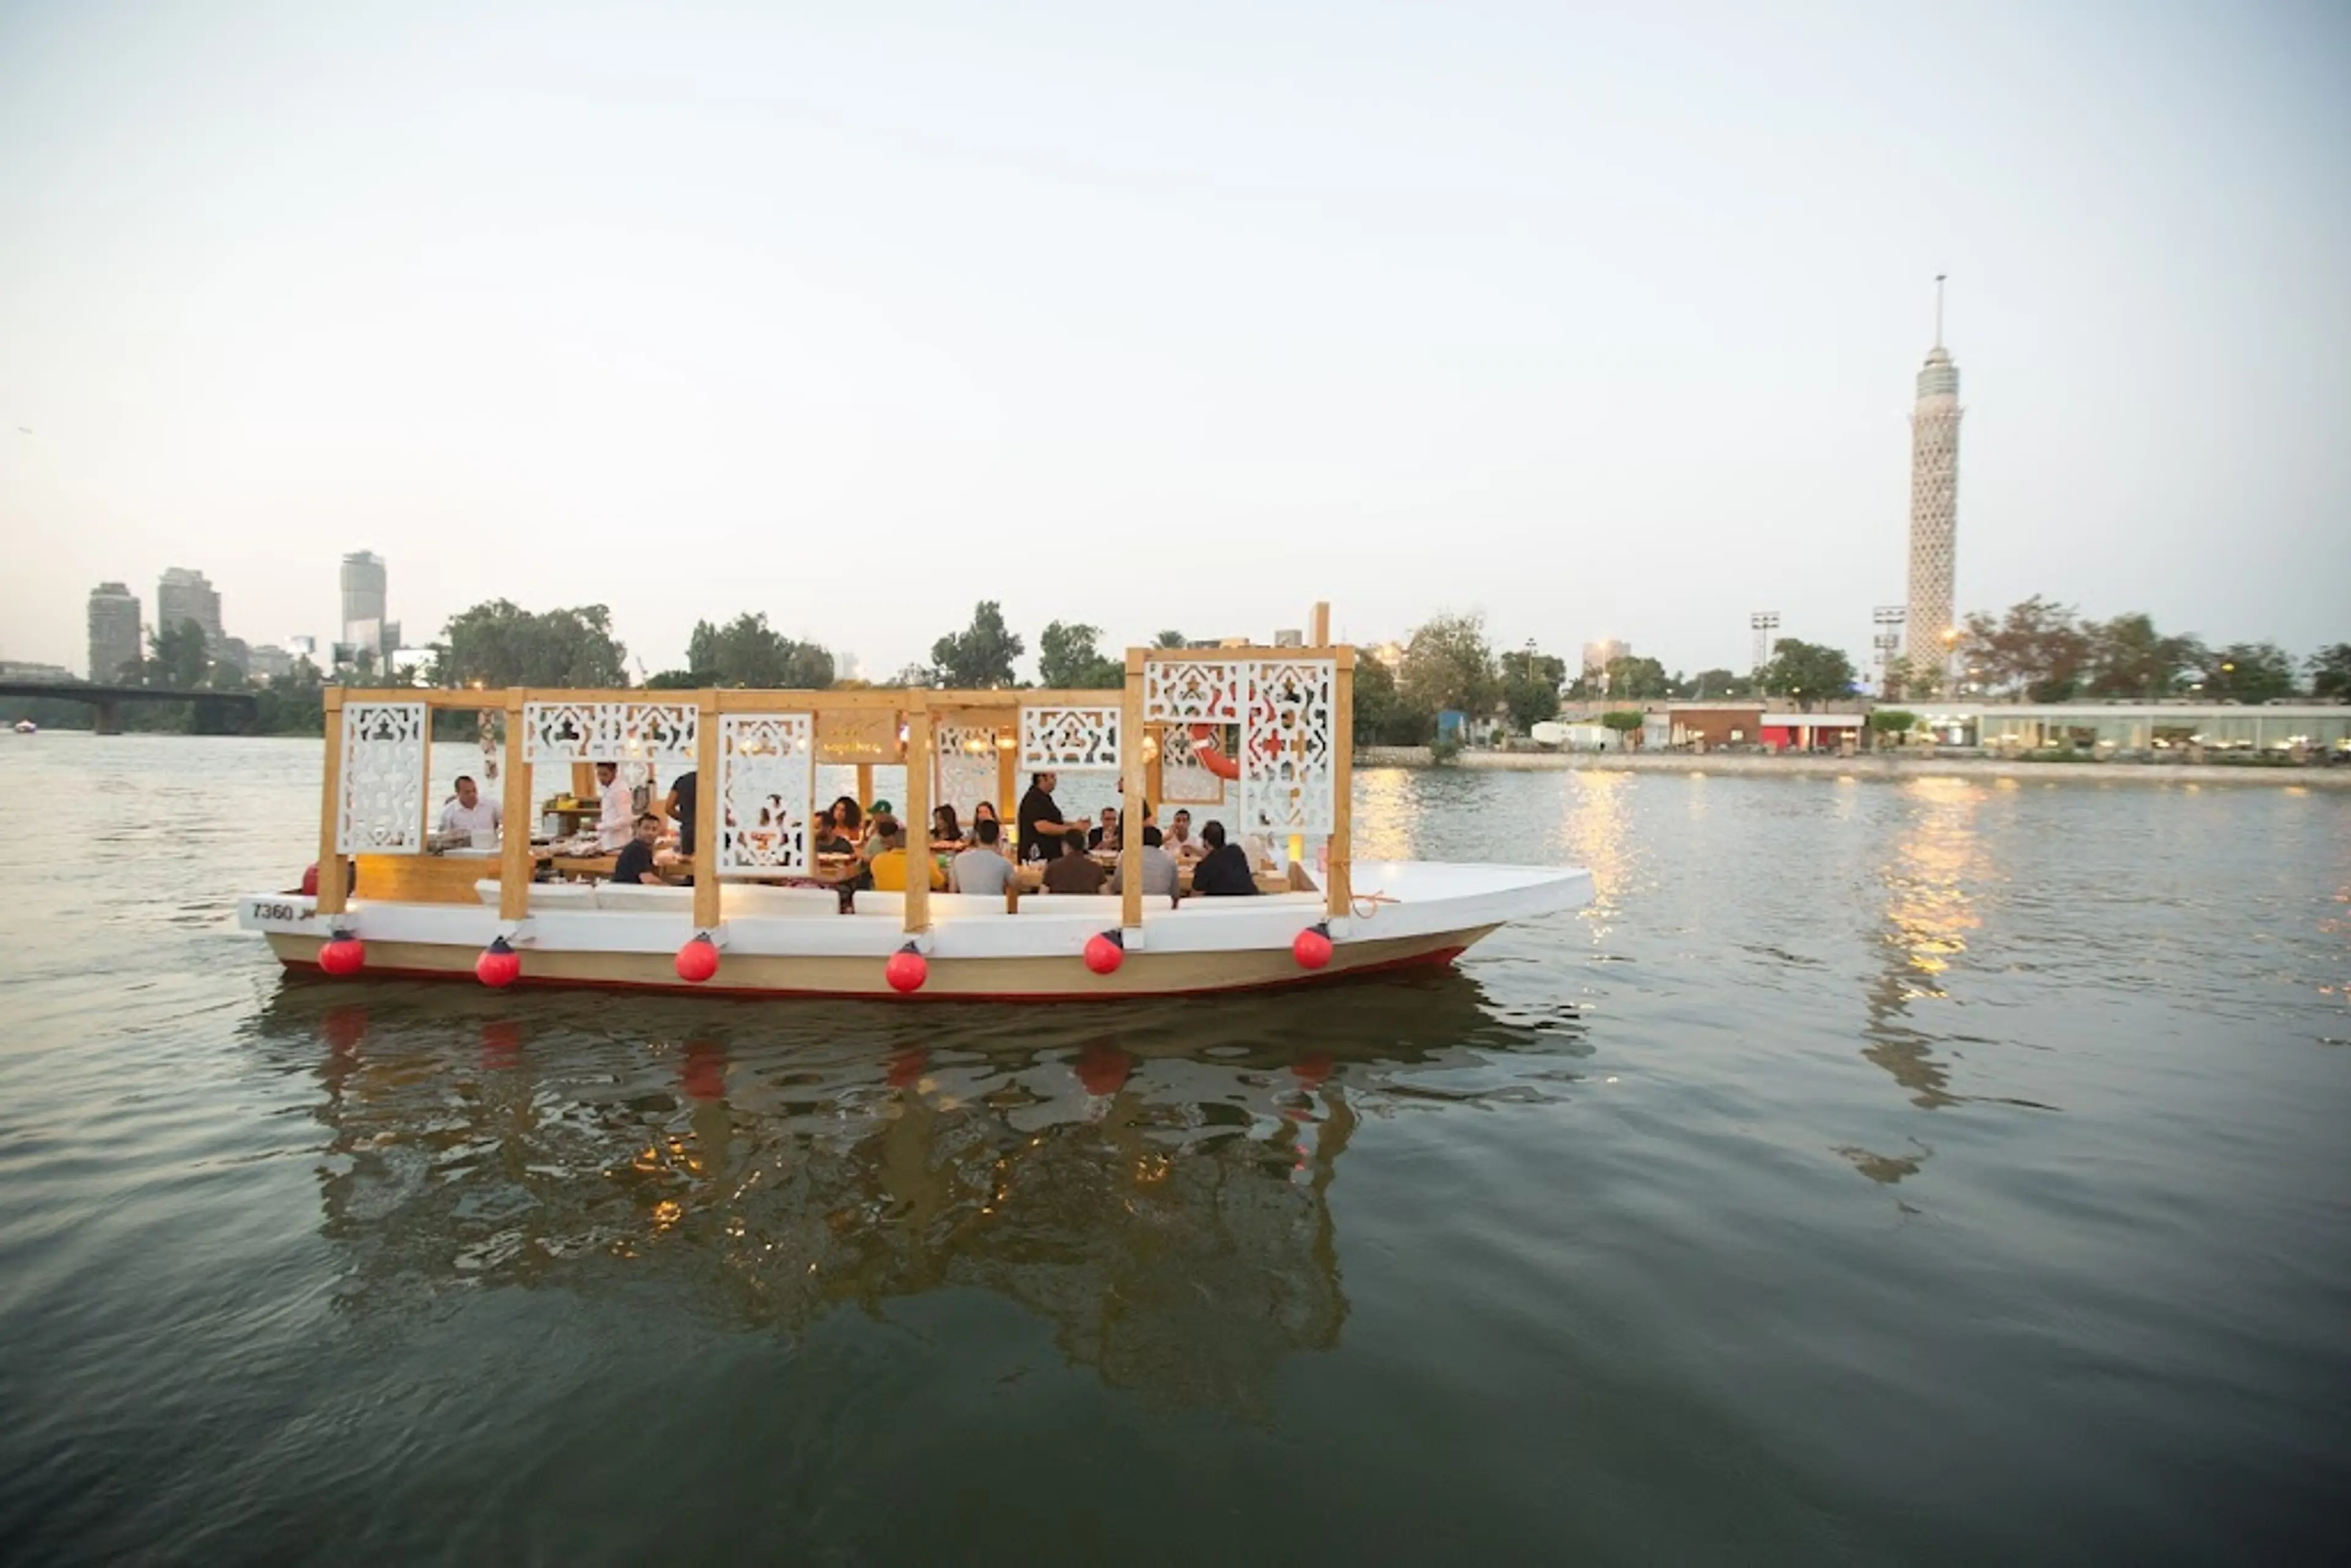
468	814
616	824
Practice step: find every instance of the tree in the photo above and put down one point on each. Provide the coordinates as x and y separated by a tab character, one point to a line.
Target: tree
1808	672
1447	664
1383	715
1708	684
176	659
981	655
1171	640
2330	673
1066	659
500	644
1531	699
1637	679
748	652
1529	686
2038	649
2128	658
2248	672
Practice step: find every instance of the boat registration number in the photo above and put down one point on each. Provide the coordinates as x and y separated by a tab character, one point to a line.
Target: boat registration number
264	909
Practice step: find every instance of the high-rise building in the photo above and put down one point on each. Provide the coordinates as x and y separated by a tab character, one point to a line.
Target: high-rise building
363	603
1930	623
113	631
186	595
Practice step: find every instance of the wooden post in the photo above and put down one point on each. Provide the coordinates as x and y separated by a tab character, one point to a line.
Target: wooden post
1008	776
1129	810
1320	637
916	822
864	788
1340	876
334	871
514	850
709	813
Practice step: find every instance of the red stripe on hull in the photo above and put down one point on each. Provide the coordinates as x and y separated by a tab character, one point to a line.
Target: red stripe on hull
1385	966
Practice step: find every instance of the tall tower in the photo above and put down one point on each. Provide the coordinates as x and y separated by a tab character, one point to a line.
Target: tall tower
184	595
1932	622
363	603
113	631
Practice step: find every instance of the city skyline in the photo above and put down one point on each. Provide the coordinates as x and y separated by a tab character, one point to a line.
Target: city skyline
1592	322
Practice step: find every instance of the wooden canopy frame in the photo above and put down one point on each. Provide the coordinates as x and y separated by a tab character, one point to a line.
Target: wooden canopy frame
918	709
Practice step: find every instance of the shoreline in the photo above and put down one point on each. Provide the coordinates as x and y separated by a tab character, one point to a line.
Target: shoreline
1864	765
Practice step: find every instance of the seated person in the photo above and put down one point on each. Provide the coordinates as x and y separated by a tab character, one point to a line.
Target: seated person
1224	871
634	866
1075	872
888	868
947	834
844	824
1106	836
982	868
1180	842
1160	877
871	844
466	813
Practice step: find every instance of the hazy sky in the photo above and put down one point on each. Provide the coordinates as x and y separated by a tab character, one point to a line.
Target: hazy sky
1601	319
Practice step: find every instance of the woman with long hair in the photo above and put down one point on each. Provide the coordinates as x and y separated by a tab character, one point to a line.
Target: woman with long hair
947	834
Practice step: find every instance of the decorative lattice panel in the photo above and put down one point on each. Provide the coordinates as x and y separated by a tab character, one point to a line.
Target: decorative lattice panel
851	736
1184	779
767	768
1190	691
383	779
1286	747
608	732
963	770
1068	741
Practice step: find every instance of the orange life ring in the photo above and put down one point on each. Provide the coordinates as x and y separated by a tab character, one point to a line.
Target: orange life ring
1211	756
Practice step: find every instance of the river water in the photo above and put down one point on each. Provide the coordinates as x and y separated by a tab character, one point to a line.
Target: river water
1920	1171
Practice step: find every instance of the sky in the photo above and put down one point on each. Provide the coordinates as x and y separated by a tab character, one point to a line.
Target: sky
1603	321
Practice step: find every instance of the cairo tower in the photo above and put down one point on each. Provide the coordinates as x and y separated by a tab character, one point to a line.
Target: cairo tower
1934	505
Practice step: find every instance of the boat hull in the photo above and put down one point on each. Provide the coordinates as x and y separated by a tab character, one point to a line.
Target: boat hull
949	979
786	942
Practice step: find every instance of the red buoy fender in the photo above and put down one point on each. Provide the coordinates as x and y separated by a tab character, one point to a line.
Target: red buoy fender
343	953
907	969
500	966
698	960
1105	951
1311	947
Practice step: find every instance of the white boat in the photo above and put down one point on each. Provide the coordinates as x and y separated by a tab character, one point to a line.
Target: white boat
756	922
27	726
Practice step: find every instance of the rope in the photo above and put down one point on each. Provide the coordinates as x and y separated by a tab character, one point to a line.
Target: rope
1367	904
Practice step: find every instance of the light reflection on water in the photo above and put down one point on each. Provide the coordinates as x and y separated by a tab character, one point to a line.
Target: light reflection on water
1858	1132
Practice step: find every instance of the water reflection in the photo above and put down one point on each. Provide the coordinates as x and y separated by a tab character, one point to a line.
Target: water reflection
1929	913
1598	834
1163	1205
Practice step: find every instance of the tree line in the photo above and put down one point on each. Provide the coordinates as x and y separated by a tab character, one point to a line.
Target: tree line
2044	651
2038	650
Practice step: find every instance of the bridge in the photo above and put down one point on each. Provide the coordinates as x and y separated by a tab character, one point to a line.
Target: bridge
108	701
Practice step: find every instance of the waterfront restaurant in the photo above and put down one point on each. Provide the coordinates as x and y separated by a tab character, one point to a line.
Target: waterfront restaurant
2154	729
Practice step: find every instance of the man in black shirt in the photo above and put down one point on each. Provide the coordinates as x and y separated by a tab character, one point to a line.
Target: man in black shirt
634	865
1224	871
1040	820
679	807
